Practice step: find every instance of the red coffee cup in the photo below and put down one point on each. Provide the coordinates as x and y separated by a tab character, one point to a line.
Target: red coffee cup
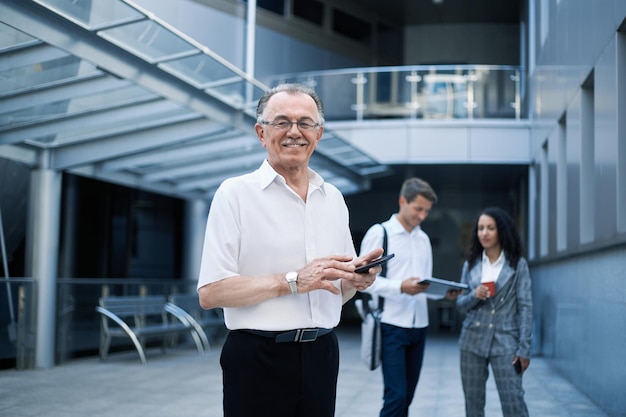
492	287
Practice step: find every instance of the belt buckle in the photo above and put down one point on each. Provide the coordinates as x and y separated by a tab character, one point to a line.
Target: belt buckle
306	335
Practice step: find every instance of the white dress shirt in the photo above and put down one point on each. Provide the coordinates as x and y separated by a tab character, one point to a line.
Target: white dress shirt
413	258
491	271
257	225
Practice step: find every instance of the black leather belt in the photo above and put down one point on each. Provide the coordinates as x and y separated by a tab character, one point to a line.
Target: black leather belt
298	335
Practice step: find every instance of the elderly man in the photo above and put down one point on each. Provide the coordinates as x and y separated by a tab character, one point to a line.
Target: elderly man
279	258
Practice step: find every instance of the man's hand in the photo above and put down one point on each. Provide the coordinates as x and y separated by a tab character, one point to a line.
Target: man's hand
320	272
364	280
413	286
350	284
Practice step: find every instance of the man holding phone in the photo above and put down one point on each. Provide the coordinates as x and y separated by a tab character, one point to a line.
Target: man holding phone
278	256
405	314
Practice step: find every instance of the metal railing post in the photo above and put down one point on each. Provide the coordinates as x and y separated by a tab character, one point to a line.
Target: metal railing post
359	81
413	104
471	77
517	104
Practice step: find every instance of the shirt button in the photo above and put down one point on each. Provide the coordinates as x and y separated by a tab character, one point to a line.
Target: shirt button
493	311
490	325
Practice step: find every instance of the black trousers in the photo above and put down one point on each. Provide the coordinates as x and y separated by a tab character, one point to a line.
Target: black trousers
264	378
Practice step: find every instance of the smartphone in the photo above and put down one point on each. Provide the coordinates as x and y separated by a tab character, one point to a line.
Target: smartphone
518	366
363	269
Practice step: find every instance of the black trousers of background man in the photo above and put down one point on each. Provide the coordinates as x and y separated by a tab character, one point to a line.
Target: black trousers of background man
263	378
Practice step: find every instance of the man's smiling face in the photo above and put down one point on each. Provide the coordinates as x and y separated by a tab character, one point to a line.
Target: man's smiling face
291	148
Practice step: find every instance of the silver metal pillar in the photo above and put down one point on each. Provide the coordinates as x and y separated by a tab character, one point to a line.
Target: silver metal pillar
44	251
196	212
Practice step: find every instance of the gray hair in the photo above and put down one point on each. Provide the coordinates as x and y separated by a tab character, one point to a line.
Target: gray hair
291	89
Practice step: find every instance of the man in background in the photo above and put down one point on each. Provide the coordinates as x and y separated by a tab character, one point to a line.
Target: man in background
405	313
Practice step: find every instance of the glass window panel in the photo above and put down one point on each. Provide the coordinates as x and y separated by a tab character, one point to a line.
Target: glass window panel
276	6
47	111
310	10
132	121
94	13
351	26
31	76
111	98
199	70
253	97
237	94
10	37
149	40
232	94
342	90
33	114
495	93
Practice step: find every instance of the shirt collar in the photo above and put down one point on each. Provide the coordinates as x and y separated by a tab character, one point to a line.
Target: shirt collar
269	175
396	227
498	261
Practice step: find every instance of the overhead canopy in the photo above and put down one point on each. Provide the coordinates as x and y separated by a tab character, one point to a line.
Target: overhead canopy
104	89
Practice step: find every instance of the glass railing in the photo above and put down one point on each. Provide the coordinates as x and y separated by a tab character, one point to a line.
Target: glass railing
418	92
16	341
77	323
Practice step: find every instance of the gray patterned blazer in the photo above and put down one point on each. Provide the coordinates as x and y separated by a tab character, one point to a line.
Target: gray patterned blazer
501	324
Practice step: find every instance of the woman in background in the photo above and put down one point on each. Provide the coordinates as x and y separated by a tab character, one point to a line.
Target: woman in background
498	315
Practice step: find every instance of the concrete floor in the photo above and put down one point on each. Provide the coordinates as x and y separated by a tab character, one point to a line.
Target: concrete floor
181	383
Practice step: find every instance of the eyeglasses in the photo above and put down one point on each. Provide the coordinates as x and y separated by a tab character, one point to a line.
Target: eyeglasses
286	124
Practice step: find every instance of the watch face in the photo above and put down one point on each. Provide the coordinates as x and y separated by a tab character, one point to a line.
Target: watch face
291	278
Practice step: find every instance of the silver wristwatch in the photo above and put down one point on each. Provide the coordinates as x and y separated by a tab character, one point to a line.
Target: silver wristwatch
292	279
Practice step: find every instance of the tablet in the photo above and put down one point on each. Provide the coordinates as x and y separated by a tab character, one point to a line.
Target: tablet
439	287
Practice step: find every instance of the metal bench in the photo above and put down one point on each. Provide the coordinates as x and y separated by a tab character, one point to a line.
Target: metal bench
140	318
204	321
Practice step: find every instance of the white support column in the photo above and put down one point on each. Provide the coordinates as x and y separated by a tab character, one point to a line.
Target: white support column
250	37
250	47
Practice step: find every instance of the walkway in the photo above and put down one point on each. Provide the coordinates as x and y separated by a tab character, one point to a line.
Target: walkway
182	383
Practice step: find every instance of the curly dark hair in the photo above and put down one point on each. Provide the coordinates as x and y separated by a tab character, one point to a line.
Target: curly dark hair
508	236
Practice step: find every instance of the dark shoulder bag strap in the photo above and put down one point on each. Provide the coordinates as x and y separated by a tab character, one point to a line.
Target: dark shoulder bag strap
381	300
